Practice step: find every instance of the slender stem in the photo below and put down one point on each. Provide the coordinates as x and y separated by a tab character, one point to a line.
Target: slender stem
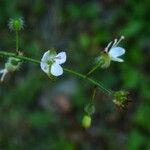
2	53
92	81
94	93
94	68
17	41
89	80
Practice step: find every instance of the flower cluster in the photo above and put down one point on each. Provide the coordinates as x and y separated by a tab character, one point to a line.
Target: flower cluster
51	61
51	64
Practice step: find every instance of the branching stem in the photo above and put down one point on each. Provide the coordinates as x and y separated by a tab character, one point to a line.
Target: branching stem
94	68
80	75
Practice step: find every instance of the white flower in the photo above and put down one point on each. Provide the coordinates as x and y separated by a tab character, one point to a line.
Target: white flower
3	72
115	51
50	62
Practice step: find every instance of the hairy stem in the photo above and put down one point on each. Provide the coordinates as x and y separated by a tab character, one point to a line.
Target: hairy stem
82	76
94	68
89	80
94	93
17	41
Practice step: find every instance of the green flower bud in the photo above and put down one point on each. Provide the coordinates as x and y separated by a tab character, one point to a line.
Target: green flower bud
86	121
90	108
12	64
120	98
16	24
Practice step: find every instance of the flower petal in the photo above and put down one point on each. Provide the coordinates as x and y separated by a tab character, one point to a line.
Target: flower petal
60	58
5	71
56	69
1	71
46	56
44	67
116	52
117	59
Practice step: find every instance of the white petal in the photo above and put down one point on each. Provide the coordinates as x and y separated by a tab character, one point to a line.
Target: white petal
60	58
56	69
46	56
44	67
5	71
116	52
2	70
117	59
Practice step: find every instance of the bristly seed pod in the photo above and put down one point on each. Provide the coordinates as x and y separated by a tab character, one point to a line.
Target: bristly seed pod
16	24
120	98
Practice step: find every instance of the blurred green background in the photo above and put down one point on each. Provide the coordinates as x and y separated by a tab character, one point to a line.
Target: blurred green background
37	114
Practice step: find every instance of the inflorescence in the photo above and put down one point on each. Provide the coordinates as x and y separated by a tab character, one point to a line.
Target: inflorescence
51	64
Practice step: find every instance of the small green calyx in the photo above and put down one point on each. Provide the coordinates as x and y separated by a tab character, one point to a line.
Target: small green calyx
86	121
104	59
12	64
52	52
16	24
90	109
52	55
120	98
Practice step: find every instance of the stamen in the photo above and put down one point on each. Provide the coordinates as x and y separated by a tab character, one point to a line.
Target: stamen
115	41
106	49
121	38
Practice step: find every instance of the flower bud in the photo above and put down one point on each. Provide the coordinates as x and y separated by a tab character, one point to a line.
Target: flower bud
16	24
120	98
90	108
86	121
104	59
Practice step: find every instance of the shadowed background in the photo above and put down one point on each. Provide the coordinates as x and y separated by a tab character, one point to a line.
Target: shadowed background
38	114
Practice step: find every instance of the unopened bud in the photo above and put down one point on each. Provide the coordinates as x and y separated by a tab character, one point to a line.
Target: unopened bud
86	121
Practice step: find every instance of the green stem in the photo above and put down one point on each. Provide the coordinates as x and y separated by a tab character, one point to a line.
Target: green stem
2	53
17	41
94	93
92	81
89	80
94	68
